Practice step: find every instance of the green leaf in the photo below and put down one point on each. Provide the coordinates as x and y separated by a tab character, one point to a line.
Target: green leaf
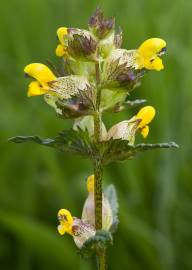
149	146
111	195
123	105
120	150
35	139
102	239
134	103
76	142
79	142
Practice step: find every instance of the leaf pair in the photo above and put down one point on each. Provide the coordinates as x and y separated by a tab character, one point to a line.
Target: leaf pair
79	142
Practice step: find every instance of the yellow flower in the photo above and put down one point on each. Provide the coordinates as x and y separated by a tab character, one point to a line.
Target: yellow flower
66	220
148	53
126	130
43	76
146	115
79	229
61	49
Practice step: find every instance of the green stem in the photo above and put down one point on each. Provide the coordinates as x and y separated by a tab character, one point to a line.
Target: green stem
98	171
101	259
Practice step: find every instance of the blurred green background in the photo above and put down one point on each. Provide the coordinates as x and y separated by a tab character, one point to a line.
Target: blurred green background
155	190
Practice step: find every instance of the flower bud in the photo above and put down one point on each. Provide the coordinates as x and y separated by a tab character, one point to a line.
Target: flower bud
100	26
81	44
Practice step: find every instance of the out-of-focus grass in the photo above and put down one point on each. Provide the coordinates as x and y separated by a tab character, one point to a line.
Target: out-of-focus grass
154	190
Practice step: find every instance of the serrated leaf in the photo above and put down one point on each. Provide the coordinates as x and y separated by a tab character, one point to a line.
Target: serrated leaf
77	142
102	240
111	195
149	146
35	139
122	105
120	150
134	103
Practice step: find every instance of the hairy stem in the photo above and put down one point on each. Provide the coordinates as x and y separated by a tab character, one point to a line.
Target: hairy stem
101	259
98	171
97	162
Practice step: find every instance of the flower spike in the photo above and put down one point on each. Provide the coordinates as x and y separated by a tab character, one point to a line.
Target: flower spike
97	76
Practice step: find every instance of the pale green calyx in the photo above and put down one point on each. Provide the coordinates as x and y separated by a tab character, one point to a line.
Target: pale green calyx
68	86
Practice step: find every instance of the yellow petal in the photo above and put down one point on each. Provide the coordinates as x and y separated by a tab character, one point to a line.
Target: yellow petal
65	217
60	50
90	183
146	114
61	229
147	54
61	32
40	72
155	64
145	131
151	47
35	89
